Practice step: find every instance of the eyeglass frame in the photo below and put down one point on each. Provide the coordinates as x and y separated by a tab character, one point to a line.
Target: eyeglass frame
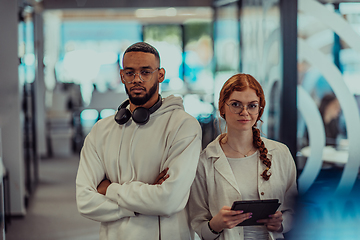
139	73
245	107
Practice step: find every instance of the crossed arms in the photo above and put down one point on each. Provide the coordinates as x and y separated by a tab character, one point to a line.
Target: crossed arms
158	181
104	201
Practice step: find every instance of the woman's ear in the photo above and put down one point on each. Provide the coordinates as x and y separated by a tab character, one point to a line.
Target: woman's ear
222	114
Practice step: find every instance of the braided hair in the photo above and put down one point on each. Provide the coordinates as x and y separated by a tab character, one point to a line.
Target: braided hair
259	144
240	82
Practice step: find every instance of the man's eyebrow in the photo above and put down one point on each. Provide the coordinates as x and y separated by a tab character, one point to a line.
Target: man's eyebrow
144	67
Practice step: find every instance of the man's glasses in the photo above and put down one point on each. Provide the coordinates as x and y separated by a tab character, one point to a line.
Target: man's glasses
144	75
237	107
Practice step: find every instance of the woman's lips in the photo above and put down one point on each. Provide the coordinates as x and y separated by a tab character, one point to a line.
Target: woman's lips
243	120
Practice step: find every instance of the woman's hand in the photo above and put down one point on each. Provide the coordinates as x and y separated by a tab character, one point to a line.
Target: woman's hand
161	177
227	218
103	186
274	223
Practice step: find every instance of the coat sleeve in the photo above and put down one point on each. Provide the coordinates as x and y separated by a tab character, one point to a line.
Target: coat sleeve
199	204
172	195
291	193
91	172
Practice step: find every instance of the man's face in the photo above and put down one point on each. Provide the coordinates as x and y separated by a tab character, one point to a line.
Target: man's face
140	92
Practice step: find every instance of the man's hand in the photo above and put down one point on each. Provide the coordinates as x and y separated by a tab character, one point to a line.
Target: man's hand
161	177
274	223
103	186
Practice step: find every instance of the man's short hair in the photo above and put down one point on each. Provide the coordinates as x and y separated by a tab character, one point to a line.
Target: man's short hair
143	47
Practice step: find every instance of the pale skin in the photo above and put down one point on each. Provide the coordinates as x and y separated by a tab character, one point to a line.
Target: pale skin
137	61
240	137
227	218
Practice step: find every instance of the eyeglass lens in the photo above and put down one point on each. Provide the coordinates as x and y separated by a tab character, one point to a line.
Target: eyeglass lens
144	75
236	107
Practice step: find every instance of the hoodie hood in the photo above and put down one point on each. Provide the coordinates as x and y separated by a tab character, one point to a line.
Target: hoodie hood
169	103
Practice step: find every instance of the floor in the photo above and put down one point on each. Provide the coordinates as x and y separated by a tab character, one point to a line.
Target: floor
52	213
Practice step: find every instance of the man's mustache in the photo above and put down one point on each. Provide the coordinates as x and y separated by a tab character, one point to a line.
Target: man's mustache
137	86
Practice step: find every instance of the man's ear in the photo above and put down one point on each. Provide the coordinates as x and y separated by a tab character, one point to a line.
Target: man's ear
121	76
161	75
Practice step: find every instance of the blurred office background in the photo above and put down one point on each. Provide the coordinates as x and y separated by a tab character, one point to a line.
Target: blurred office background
59	74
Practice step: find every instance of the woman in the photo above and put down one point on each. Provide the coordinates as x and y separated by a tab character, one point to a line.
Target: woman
241	165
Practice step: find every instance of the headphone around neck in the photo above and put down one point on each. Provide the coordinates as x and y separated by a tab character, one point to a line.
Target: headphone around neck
140	115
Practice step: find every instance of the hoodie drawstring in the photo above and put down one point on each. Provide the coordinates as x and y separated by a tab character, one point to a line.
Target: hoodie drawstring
118	158
131	153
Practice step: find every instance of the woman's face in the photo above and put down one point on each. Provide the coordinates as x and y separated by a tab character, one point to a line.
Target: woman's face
242	120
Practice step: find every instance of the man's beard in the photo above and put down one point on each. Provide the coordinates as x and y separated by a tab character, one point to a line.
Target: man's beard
138	101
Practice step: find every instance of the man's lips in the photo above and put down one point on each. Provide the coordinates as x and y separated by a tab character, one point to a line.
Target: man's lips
137	89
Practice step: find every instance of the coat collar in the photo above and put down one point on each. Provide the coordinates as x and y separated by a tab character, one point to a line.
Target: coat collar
215	153
214	149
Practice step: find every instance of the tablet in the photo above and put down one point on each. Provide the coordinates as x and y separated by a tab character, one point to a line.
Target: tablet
260	209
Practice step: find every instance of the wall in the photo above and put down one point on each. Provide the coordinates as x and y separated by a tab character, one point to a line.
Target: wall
10	104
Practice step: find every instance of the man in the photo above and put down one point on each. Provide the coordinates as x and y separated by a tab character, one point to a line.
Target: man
136	170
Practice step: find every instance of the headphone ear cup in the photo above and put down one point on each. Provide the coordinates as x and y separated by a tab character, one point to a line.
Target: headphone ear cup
141	115
122	116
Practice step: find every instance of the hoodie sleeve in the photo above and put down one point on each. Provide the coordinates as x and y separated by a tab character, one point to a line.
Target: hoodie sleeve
91	172
172	195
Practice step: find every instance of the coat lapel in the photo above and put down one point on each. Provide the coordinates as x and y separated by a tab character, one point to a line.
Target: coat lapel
221	164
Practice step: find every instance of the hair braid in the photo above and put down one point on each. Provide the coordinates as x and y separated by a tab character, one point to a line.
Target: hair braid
259	144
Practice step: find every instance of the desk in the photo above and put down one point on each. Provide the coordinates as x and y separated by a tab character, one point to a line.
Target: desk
330	155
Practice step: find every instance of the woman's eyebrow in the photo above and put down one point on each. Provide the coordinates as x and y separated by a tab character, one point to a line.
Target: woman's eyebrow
234	100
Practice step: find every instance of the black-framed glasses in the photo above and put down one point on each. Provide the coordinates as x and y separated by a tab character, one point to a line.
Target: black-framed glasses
236	108
144	75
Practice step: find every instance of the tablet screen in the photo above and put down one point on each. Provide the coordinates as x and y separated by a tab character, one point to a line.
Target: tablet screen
261	209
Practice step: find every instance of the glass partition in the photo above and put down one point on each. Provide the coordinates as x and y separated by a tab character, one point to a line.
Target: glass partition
261	56
329	85
167	39
186	52
328	132
226	50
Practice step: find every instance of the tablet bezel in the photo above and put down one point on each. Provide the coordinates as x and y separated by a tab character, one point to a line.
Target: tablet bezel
260	209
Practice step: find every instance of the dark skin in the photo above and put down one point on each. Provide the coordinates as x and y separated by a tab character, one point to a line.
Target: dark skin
104	184
138	61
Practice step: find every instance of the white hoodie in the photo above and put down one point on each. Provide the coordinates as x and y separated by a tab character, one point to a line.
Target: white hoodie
131	156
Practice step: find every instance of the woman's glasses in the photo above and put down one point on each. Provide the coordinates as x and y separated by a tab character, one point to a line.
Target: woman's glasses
237	107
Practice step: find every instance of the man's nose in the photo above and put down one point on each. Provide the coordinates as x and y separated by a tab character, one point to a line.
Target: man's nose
137	77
